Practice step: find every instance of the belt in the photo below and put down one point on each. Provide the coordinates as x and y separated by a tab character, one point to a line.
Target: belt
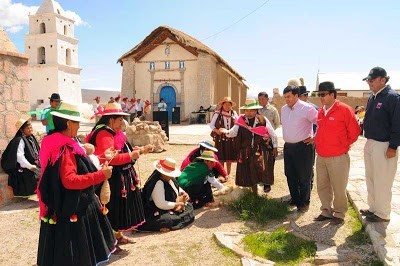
295	143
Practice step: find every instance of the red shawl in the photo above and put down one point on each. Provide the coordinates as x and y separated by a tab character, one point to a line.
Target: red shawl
260	130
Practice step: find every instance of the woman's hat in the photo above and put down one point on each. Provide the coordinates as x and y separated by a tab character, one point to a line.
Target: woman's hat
207	155
68	111
250	104
167	167
23	119
209	145
113	109
226	100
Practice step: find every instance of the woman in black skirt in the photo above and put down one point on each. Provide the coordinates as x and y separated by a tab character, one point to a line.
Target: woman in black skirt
165	203
73	229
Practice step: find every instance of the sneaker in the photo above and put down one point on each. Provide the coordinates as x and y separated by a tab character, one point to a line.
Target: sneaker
303	208
376	219
267	188
366	212
336	221
321	218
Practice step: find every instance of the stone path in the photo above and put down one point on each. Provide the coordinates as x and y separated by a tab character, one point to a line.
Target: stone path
385	236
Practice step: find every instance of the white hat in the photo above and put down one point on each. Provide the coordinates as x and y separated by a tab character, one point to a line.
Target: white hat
68	111
167	167
209	145
250	104
113	108
22	121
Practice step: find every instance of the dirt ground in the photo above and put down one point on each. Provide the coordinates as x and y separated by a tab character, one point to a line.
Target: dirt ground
194	245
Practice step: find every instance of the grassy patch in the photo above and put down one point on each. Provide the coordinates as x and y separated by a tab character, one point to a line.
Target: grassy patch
281	247
358	236
259	209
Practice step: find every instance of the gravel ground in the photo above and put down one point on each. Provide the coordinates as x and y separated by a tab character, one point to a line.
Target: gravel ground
193	245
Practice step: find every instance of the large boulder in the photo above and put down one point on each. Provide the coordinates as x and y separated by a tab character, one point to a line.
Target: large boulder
141	133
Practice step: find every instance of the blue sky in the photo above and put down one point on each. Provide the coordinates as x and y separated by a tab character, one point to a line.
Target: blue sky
281	40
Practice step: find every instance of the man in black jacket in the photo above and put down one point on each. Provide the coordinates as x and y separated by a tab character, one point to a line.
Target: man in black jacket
382	130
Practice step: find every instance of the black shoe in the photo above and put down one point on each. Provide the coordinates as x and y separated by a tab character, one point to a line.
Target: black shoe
303	208
267	188
321	218
376	219
366	212
336	221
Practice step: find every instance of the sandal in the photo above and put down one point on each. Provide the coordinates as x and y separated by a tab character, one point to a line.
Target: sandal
164	230
119	251
125	240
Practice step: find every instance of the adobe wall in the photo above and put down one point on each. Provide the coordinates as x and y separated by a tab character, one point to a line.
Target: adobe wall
14	100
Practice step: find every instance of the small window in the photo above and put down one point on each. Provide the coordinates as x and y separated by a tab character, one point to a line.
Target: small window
167	65
167	51
68	57
152	65
42	27
181	64
65	30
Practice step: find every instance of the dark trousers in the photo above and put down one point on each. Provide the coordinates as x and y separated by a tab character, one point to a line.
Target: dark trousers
298	158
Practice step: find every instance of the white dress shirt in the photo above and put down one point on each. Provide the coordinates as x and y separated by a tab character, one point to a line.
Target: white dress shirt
21	156
297	122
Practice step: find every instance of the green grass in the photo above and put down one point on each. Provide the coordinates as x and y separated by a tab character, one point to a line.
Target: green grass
358	236
281	247
259	209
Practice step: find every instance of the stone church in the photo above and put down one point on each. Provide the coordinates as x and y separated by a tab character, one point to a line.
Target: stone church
172	65
53	56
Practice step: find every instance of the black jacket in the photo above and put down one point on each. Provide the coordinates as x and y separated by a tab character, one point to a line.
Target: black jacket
382	117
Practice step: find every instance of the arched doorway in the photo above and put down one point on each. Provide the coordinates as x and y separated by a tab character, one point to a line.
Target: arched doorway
169	96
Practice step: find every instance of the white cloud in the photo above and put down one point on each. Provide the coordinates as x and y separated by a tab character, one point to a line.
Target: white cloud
14	16
254	89
78	20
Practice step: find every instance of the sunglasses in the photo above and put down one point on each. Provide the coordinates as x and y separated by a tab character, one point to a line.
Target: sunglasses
323	94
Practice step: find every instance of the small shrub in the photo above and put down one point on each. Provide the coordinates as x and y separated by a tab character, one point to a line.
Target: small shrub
281	247
259	209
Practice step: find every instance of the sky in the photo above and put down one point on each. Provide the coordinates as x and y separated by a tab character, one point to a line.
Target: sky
267	42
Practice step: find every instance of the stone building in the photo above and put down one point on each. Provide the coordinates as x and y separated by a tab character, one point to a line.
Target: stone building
14	99
53	55
172	65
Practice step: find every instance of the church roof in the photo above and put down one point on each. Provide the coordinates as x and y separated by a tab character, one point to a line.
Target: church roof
5	44
189	43
50	6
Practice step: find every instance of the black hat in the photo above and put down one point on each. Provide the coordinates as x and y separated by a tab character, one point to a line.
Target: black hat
326	86
376	72
55	97
303	90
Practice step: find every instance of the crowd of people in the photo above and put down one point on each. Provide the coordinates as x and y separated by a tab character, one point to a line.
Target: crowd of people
90	194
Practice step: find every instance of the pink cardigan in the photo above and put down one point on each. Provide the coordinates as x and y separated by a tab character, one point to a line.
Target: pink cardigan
217	166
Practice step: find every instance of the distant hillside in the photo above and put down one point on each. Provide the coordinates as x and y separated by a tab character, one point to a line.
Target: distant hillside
89	95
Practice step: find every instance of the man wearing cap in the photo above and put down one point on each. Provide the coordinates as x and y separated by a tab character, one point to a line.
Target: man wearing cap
382	130
268	110
46	117
337	130
298	118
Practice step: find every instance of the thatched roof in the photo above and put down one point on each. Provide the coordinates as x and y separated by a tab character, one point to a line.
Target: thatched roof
189	43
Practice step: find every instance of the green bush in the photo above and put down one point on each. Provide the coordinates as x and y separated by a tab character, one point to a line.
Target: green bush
259	209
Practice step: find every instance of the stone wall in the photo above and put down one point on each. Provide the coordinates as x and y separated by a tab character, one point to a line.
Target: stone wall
278	101
14	100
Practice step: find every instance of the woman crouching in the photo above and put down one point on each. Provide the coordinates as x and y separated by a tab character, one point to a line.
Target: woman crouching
165	203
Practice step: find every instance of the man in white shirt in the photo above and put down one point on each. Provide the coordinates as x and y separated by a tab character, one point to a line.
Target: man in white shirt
139	108
297	119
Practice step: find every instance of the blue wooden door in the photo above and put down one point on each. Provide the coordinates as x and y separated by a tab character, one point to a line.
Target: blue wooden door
169	96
